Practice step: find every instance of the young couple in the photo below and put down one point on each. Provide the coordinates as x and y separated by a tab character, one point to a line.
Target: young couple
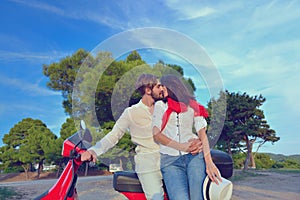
161	127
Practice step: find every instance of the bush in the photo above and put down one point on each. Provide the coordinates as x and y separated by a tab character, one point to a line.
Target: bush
263	161
291	164
238	160
13	170
287	164
278	165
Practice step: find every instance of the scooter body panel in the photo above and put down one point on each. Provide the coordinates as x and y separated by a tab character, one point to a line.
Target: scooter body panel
61	188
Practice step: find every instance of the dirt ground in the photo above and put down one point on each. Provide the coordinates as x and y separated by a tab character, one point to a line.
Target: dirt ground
254	184
266	185
14	177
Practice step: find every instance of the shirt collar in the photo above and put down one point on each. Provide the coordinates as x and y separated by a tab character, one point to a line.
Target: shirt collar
142	104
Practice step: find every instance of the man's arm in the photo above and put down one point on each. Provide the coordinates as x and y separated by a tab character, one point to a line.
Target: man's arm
109	141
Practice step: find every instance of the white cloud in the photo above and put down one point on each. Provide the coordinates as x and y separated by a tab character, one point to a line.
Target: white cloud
11	108
273	14
190	10
40	5
192	13
29	88
33	57
270	62
96	11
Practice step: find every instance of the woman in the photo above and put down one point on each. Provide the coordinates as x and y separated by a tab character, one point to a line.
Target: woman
173	121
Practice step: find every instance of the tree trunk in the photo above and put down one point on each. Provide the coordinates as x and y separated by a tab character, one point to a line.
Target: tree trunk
86	168
229	148
40	169
26	168
58	171
247	160
252	160
60	166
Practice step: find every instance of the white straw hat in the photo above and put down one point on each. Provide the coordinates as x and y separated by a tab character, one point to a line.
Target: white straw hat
212	191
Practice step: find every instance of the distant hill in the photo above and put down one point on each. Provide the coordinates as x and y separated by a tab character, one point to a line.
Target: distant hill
281	157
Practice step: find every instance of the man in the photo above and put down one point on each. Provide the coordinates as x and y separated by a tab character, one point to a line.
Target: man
138	119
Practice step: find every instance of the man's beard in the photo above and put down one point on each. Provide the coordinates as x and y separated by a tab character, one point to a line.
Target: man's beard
157	97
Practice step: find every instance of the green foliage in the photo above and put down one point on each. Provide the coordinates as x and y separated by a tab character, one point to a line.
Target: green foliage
26	144
238	160
278	165
280	157
111	92
287	164
133	56
53	152
244	124
116	88
291	164
263	161
20	131
62	76
176	68
13	169
67	129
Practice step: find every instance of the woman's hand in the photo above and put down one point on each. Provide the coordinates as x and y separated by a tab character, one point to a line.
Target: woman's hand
195	146
213	172
184	146
89	155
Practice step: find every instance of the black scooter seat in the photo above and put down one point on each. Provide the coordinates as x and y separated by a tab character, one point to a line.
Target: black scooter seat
128	181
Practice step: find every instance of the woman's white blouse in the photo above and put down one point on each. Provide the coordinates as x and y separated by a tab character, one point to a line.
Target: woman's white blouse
179	126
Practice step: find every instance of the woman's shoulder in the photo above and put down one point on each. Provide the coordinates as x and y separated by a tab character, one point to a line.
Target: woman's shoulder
160	103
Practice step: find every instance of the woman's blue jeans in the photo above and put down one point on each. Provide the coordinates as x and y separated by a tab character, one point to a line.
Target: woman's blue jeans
184	177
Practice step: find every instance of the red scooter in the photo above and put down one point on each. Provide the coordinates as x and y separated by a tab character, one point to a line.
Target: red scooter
64	188
125	182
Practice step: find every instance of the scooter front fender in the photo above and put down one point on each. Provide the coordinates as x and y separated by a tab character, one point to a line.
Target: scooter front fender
61	188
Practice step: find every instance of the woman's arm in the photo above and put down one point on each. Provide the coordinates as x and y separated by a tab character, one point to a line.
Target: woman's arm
211	169
161	138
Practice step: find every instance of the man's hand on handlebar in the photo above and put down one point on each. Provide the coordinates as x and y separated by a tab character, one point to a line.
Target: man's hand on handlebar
89	155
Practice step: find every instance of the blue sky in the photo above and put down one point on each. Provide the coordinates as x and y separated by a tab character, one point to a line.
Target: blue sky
254	45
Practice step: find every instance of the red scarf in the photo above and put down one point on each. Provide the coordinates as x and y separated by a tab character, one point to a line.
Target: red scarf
178	107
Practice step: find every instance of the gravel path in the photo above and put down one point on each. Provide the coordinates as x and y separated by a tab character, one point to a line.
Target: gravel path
258	185
266	185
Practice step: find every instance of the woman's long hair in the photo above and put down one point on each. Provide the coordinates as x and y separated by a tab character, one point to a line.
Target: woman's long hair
177	90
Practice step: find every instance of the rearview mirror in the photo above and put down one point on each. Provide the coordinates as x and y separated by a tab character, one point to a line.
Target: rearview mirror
87	136
82	125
